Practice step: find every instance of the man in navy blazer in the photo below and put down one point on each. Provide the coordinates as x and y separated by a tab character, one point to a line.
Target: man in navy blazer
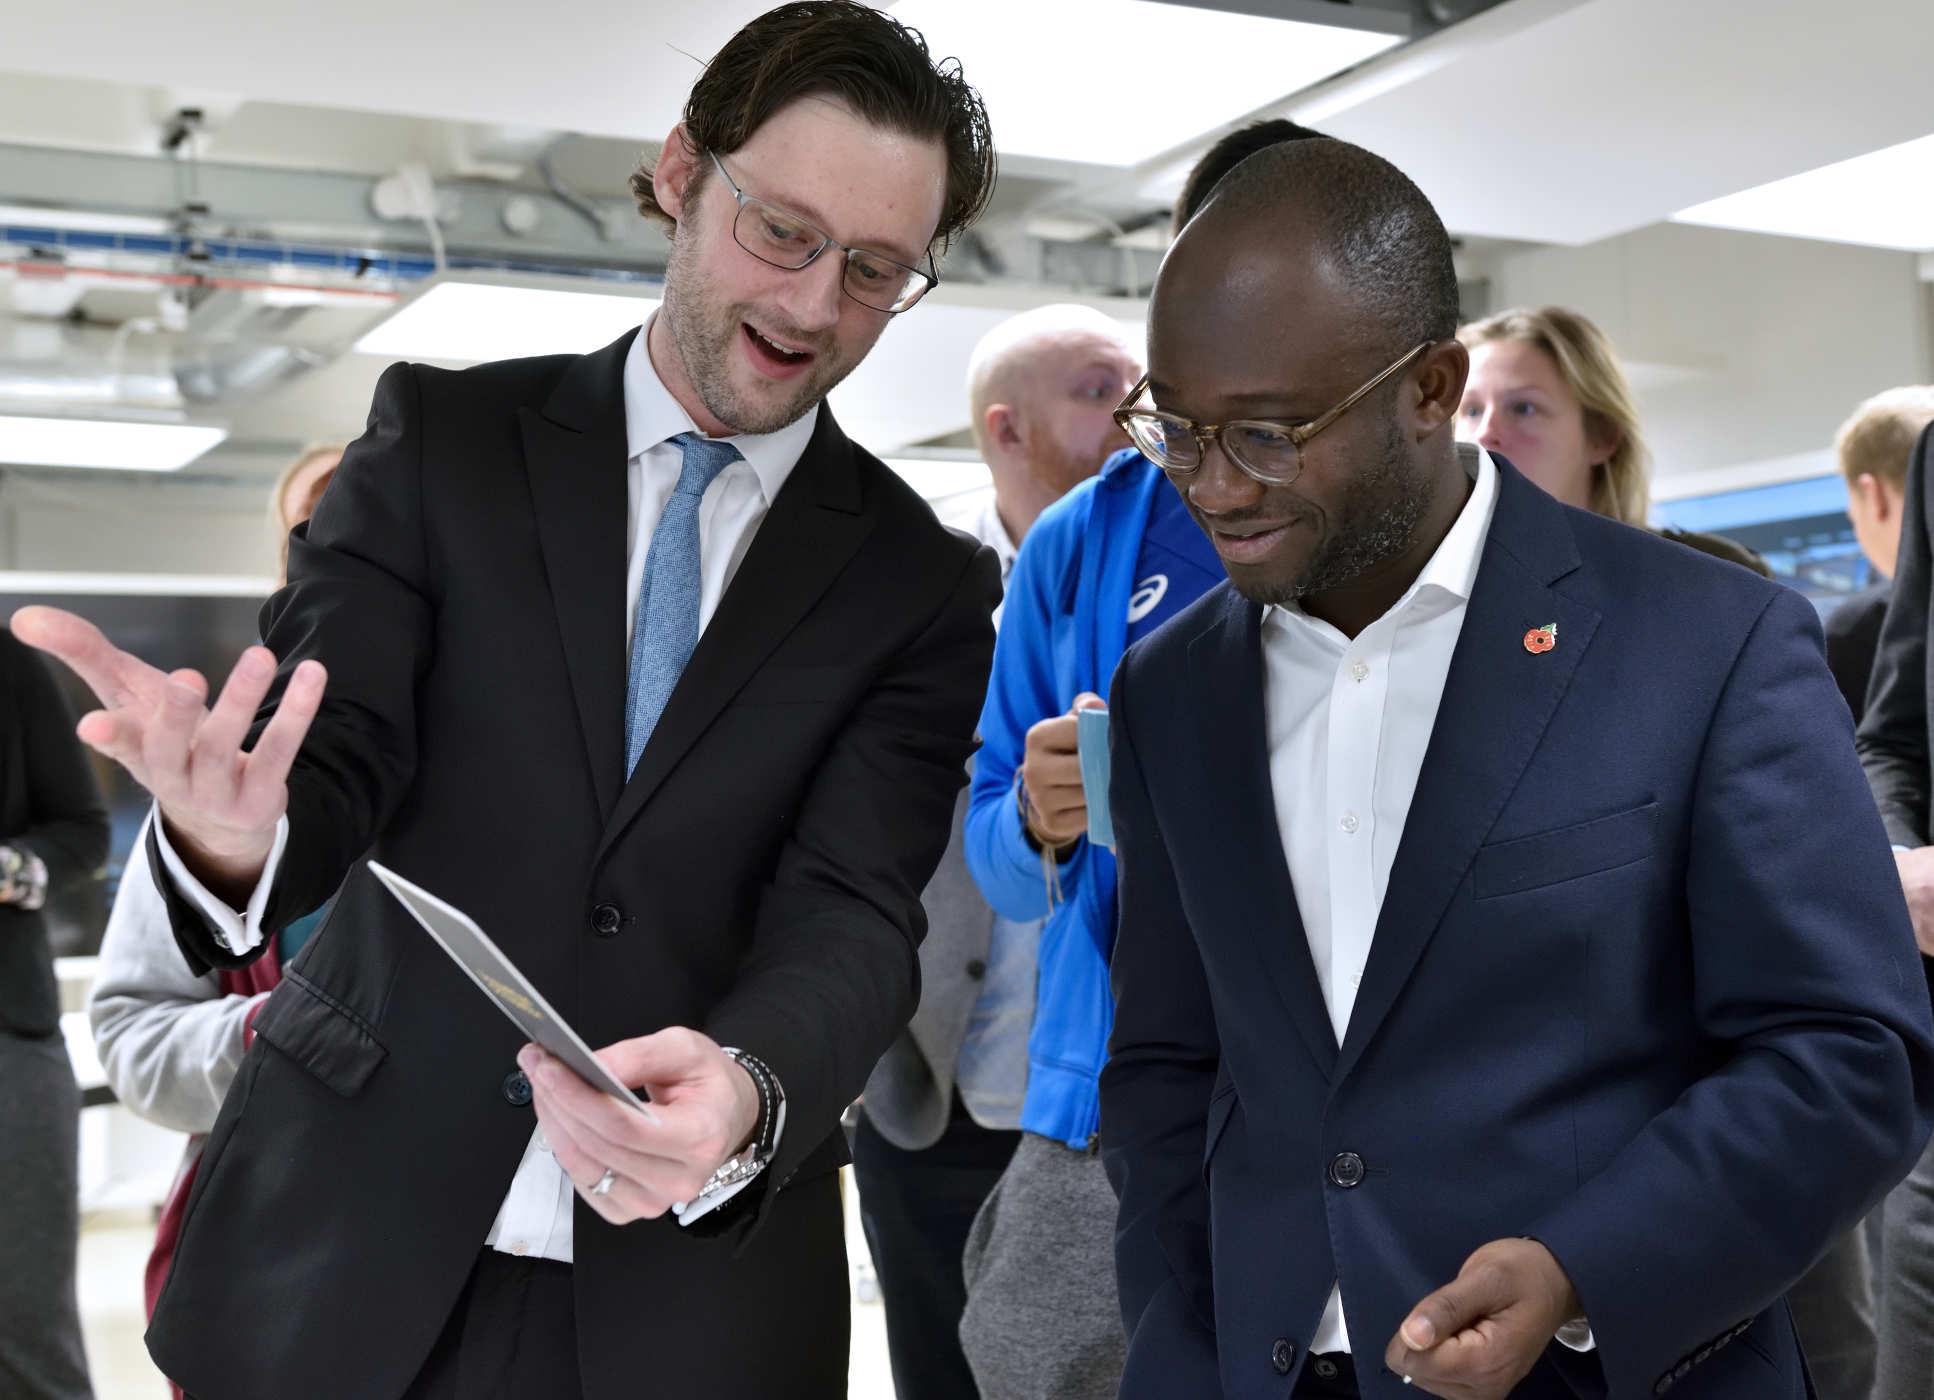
1515	994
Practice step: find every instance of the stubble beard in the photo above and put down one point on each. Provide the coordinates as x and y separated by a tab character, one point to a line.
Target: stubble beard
703	330
1378	519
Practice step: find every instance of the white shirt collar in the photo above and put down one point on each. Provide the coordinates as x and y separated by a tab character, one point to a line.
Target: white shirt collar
652	416
991	530
1452	568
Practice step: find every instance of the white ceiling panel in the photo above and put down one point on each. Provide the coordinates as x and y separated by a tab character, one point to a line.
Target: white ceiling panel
603	67
1562	122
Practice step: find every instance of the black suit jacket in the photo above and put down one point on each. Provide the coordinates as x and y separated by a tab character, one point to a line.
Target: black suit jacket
50	807
1853	636
758	877
1641	1000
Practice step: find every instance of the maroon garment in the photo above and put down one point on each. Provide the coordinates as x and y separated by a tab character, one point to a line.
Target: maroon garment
260	976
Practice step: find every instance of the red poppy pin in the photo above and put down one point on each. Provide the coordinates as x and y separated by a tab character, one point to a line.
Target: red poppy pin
1541	639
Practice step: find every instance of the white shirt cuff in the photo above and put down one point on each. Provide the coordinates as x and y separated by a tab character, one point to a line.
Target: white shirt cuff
709	1201
239	931
1577	1335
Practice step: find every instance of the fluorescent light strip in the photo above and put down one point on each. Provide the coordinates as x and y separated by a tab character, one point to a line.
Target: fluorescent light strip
1079	87
100	443
472	321
16	582
1884	199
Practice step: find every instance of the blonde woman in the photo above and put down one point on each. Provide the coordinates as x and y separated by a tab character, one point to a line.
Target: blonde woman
1547	394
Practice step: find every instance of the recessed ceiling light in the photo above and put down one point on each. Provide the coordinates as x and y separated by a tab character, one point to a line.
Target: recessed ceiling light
1884	199
104	443
1116	82
478	321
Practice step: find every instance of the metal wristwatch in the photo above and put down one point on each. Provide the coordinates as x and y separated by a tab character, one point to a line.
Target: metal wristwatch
744	1165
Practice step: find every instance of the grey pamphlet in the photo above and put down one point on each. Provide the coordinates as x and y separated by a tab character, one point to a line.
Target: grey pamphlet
471	949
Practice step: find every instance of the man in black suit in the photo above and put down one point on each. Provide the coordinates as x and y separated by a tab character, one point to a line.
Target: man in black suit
638	658
1872	447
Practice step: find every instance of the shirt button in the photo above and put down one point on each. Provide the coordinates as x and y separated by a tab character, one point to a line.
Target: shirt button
1349	823
520	1248
1359	669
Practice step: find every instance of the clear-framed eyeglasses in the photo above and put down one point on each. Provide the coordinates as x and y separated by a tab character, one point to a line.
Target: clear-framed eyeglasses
784	239
1271	452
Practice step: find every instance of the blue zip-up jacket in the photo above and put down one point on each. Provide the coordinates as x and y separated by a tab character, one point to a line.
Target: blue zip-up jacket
1063	631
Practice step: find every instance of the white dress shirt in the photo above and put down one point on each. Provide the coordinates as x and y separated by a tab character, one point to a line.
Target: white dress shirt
1348	721
536	1217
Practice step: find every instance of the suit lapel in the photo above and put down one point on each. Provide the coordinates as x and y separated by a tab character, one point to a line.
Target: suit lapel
1498	699
574	454
1227	685
806	539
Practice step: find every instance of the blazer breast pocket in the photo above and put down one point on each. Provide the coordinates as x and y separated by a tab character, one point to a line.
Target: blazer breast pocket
797	685
1568	853
319	1033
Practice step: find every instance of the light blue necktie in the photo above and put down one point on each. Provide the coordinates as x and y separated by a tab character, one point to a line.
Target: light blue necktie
665	628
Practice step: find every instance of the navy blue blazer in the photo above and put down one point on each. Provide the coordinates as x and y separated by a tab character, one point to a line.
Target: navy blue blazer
1643	988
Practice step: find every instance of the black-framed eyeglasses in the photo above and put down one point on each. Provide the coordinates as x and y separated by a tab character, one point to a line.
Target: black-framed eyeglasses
1270	452
782	238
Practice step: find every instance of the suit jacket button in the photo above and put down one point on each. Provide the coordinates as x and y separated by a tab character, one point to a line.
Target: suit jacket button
976	969
605	920
517	1089
1282	1356
1346	1170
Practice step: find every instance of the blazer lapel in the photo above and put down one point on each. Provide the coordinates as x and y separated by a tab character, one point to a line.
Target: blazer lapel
1499	698
806	539
574	452
1227	686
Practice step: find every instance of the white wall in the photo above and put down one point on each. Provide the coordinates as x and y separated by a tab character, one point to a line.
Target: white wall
1746	350
122	523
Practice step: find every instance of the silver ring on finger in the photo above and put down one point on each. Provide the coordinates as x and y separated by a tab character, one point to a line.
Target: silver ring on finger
604	1183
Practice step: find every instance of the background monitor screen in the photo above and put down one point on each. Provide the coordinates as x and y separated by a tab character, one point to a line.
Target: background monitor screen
1800	528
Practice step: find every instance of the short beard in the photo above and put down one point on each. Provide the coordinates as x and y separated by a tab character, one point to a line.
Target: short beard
1378	519
702	332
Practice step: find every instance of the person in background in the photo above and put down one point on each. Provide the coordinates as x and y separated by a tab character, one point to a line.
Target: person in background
53	833
1105	566
170	1039
1547	393
1873	447
1894	743
1458	1046
942	1110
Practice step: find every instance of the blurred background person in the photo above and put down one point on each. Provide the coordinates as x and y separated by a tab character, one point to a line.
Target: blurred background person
1873	447
53	833
1894	745
170	1041
1106	565
942	1111
1546	393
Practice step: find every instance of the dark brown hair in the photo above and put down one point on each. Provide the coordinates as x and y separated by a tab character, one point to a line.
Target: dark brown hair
868	60
1231	151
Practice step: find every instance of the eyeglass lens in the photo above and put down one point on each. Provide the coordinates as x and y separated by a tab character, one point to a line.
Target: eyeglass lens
784	240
